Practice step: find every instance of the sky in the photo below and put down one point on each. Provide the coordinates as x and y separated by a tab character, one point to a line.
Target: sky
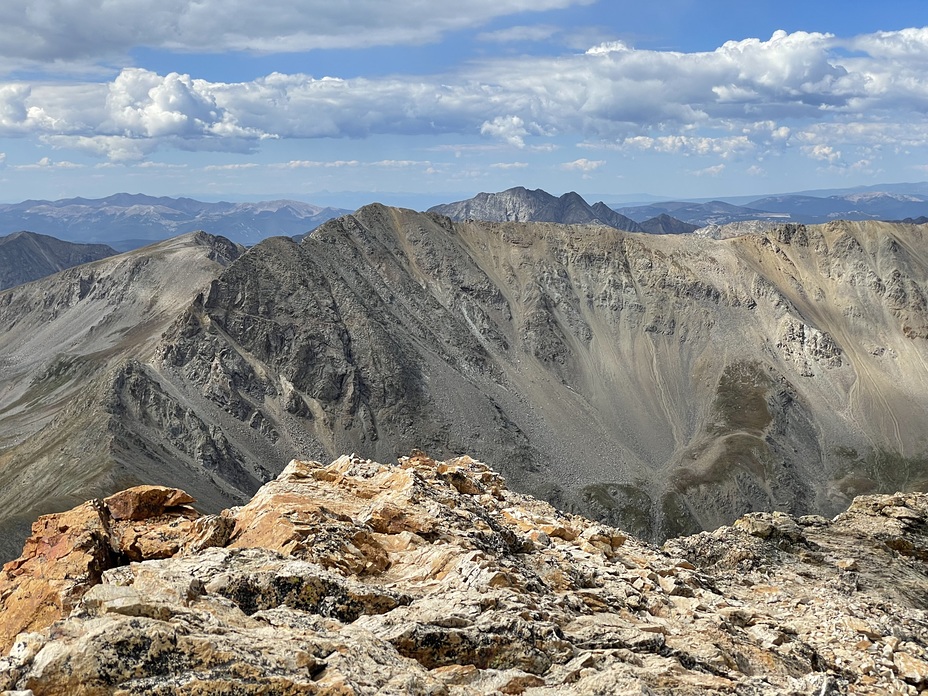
418	102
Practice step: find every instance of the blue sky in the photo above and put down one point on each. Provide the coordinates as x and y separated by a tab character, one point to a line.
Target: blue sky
413	101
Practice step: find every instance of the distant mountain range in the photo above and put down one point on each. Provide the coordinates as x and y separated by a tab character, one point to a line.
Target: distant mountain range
126	221
860	205
25	256
523	205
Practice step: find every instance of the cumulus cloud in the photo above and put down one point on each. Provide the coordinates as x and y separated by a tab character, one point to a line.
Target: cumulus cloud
583	165
690	145
48	30
825	153
509	165
745	98
714	170
46	163
509	128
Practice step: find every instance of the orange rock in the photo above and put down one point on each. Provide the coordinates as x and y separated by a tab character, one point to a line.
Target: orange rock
62	559
143	502
67	553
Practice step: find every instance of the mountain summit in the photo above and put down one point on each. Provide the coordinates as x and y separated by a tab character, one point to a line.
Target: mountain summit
432	577
26	256
524	205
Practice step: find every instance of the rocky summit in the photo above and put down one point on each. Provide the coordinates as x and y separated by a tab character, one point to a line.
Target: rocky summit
432	577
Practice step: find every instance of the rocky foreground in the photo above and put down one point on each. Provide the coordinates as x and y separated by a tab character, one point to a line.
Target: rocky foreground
432	578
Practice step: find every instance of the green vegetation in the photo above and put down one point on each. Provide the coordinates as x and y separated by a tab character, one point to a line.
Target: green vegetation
677	519
741	400
880	470
740	417
622	505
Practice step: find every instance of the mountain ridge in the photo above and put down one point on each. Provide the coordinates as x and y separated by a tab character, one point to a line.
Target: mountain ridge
26	256
663	383
519	204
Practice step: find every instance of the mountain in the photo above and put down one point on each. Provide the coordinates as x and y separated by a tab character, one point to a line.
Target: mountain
869	205
432	577
665	224
133	220
25	256
802	208
523	205
662	383
702	214
68	346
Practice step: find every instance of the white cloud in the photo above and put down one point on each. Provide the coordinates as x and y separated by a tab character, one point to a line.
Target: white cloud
46	163
825	153
509	165
689	145
607	48
230	167
583	165
732	102
399	164
508	128
312	164
714	170
49	30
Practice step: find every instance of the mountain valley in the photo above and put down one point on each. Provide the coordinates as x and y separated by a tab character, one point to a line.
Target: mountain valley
662	383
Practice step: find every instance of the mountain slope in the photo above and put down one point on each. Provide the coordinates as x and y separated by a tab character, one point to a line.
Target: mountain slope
665	224
869	205
664	383
25	256
68	344
703	214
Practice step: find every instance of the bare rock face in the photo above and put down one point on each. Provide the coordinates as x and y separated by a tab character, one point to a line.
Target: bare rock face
68	552
523	205
72	349
432	577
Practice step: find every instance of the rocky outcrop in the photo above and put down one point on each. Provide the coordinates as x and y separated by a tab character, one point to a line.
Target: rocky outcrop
433	577
67	553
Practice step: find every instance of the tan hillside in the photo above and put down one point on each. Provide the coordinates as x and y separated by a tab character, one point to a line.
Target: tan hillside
664	384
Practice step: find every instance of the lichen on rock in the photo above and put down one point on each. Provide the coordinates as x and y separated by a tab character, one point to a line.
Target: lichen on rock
431	577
